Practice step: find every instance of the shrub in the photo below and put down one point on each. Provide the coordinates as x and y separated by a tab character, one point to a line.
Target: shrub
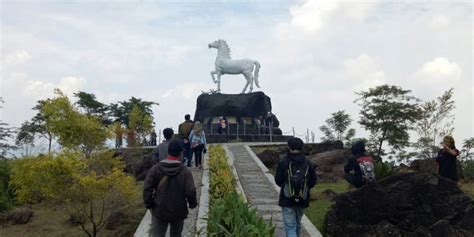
38	178
221	177
20	215
383	169
6	193
231	216
468	169
94	188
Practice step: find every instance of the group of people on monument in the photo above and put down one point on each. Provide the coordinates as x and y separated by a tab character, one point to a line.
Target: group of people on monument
264	124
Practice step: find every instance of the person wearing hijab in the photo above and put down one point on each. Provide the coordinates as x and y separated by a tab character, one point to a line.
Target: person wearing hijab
197	138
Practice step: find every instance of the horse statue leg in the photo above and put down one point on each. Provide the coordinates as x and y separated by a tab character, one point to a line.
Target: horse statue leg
251	82
212	75
246	84
218	81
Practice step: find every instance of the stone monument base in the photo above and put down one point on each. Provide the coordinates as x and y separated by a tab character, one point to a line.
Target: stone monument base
242	112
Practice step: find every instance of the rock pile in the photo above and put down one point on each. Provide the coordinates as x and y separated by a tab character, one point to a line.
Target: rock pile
407	204
330	164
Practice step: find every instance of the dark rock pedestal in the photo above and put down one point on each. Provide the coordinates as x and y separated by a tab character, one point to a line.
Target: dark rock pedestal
241	110
250	105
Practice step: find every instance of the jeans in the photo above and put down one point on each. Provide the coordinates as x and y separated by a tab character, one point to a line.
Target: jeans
159	227
292	220
198	154
187	153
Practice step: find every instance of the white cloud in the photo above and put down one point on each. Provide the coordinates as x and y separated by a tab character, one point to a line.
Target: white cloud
18	57
359	10
312	15
42	89
438	71
186	90
365	71
175	54
439	21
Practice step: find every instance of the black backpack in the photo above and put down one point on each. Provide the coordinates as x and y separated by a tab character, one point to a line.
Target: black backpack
296	187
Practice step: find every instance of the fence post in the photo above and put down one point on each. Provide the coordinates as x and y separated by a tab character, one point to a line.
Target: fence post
211	125
270	131
237	130
293	131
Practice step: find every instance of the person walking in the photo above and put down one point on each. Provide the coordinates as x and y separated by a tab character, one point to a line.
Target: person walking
197	138
168	190
446	159
359	169
296	176
162	149
222	125
183	132
153	138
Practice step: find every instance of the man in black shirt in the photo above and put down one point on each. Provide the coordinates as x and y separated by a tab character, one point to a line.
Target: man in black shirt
446	159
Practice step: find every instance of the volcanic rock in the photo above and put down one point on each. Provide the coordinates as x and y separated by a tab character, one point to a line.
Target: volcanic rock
330	164
407	204
250	105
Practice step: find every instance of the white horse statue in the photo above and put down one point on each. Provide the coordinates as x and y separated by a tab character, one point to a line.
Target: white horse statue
226	65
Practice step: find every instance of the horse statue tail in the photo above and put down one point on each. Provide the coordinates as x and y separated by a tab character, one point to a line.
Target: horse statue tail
255	73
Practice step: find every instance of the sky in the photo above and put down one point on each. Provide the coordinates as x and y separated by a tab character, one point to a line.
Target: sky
314	55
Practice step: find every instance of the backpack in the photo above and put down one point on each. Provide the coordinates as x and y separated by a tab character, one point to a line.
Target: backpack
296	187
366	164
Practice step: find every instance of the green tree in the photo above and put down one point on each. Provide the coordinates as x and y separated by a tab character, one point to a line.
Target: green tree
121	111
89	103
38	126
336	126
92	107
93	188
467	145
388	112
73	129
436	121
6	133
141	123
25	137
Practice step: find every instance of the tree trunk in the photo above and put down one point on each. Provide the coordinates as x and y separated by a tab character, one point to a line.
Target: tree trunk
50	140
379	150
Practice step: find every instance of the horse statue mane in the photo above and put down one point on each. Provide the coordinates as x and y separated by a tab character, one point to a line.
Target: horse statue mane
226	65
225	48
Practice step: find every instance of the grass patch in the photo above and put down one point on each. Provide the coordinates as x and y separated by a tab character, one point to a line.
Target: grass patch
320	204
261	148
51	220
468	187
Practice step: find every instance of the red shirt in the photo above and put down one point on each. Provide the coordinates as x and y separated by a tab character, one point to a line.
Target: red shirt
173	158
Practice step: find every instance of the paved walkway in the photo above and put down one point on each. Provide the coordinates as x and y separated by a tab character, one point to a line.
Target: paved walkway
190	223
260	192
257	185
